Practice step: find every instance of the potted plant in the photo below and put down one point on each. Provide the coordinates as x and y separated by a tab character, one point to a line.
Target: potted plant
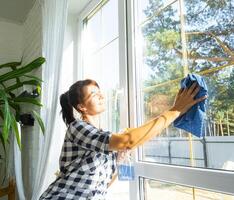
10	103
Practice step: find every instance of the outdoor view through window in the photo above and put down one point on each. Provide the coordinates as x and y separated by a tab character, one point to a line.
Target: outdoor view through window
176	38
168	191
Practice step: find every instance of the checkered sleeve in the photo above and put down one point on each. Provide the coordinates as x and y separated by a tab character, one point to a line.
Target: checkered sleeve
89	137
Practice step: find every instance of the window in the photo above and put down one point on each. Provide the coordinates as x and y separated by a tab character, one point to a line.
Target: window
149	46
181	37
174	38
104	61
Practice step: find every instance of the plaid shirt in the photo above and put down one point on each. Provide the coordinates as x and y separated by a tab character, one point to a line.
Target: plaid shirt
86	165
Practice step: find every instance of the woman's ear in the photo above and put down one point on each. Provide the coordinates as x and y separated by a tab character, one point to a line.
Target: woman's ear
81	108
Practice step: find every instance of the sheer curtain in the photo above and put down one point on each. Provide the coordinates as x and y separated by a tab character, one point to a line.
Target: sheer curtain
18	167
54	14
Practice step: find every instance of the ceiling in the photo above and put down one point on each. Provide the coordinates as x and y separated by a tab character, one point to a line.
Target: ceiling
17	10
76	6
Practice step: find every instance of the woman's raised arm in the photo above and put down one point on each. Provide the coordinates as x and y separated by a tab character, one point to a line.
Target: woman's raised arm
132	138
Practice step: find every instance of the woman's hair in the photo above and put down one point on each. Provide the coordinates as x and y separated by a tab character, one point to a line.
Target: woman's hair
73	97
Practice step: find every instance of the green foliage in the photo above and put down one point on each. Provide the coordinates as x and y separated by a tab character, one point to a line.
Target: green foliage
209	47
10	104
167	38
39	121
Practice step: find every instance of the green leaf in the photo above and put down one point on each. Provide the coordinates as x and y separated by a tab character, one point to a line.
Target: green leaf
23	70
1	114
27	100
3	142
15	106
16	131
17	79
33	77
6	121
20	84
38	89
6	124
11	64
39	120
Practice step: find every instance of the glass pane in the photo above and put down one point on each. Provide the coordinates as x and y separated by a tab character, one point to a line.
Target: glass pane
210	51
141	8
147	9
109	81
92	64
110	22
103	67
101	63
179	37
168	191
93	33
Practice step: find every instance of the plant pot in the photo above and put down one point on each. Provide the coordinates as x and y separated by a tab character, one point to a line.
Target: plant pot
9	190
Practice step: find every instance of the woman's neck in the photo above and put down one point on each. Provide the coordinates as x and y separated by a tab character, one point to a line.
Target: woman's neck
94	120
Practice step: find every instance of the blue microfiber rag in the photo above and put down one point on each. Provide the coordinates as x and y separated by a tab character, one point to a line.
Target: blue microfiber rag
193	120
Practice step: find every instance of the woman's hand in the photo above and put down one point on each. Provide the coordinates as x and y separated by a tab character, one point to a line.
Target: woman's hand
185	99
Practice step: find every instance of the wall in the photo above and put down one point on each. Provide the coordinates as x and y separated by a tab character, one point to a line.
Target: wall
32	48
11	42
32	35
25	41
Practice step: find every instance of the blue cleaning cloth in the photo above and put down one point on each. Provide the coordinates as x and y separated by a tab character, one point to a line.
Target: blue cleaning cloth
193	120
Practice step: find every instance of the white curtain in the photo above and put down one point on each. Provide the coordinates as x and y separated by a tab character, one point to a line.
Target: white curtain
54	14
18	167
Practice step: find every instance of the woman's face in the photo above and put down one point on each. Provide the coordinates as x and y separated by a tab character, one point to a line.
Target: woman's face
93	100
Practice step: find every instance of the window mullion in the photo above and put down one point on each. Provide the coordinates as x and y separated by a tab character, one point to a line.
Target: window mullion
214	180
132	95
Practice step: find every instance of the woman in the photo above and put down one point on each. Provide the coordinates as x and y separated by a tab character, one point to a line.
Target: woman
88	157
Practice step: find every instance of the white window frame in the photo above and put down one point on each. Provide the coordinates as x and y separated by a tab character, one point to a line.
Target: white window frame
208	179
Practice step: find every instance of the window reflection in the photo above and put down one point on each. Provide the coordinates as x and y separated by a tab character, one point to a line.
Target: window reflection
183	37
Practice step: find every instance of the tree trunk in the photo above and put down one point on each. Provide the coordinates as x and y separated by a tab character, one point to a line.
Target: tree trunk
221	126
214	128
228	130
